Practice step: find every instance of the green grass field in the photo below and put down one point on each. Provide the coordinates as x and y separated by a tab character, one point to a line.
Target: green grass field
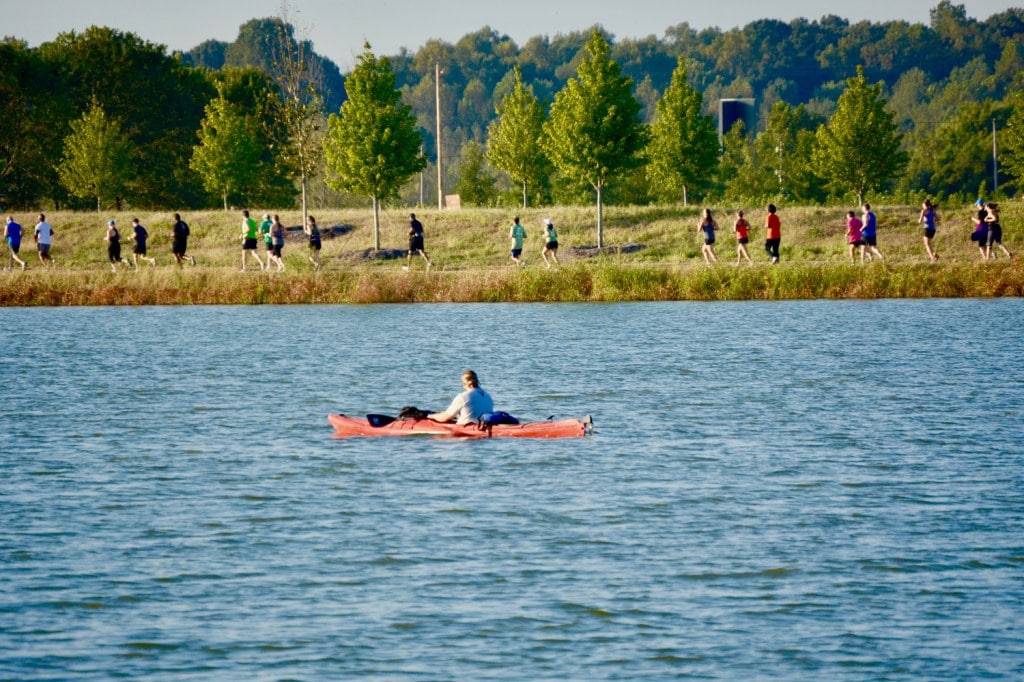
660	259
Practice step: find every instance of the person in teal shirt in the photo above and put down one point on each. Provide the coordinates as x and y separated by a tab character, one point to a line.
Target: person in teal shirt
268	240
550	243
518	235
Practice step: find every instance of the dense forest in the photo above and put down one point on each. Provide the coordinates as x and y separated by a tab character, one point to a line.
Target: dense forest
952	87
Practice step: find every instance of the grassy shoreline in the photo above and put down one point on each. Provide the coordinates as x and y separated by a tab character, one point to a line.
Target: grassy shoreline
575	283
469	249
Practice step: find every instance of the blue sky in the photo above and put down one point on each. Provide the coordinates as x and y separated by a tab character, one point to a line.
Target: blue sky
338	28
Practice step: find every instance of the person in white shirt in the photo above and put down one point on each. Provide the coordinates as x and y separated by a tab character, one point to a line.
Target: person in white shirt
469	405
44	238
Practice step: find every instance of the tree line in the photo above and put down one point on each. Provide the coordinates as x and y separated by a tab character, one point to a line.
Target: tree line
105	118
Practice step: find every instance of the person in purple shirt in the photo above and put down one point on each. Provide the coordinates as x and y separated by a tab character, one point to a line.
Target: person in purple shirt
929	217
12	235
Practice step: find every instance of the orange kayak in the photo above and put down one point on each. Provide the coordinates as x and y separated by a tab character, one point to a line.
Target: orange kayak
346	427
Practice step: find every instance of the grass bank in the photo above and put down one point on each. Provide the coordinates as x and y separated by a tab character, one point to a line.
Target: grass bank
658	259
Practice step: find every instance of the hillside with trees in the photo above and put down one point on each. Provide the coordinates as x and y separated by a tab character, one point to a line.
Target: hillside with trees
246	122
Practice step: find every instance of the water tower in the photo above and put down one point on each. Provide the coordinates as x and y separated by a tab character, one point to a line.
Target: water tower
730	111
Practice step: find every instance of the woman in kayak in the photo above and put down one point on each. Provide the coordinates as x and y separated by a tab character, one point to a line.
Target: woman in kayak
469	405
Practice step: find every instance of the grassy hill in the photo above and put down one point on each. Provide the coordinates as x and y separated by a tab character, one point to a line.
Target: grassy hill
653	254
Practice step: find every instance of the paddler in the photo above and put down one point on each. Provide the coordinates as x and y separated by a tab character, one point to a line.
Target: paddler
469	405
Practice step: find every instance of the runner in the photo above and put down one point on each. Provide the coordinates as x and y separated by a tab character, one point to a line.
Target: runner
415	242
773	234
707	225
250	237
313	232
12	235
179	245
518	235
44	239
113	239
741	227
140	235
869	233
929	217
550	243
853	235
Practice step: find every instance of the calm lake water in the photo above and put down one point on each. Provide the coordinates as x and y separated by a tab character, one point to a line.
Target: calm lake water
801	490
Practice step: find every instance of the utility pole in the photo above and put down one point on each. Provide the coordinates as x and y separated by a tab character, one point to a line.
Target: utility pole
437	98
995	159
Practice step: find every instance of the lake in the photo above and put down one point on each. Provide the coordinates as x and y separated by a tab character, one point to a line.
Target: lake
800	490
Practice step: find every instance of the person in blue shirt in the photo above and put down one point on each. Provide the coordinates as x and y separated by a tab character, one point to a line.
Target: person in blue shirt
707	225
12	235
869	232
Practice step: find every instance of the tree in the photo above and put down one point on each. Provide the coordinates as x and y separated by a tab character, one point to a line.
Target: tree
157	100
228	156
859	150
373	144
514	138
1013	141
595	129
300	113
255	93
97	158
476	184
30	123
683	151
783	151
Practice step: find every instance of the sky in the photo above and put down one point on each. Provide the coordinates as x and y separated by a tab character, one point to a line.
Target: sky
338	28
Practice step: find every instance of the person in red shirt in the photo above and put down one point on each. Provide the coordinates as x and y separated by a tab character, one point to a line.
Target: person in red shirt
740	227
773	234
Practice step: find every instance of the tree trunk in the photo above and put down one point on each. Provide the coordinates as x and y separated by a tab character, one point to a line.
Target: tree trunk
600	218
305	211
376	223
525	198
225	201
685	203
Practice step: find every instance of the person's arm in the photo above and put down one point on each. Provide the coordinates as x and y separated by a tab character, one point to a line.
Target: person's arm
448	414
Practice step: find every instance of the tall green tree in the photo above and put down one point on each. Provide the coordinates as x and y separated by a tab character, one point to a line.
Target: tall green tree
476	184
956	157
300	110
373	144
229	155
31	118
514	137
783	152
859	149
157	100
1013	140
97	160
255	93
684	149
595	129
